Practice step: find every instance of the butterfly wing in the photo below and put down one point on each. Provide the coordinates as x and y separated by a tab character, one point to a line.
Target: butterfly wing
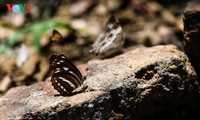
62	62
110	40
65	76
56	36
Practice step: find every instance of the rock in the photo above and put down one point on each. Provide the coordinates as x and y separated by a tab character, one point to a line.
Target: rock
80	7
142	67
146	83
38	102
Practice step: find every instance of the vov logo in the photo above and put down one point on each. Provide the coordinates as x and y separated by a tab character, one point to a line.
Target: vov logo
19	8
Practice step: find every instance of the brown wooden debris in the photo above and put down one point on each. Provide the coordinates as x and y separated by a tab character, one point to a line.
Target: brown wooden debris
192	34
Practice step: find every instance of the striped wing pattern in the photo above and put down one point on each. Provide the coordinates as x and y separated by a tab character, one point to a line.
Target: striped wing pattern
110	40
65	76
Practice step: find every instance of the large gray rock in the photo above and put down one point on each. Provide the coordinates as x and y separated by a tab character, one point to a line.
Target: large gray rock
147	83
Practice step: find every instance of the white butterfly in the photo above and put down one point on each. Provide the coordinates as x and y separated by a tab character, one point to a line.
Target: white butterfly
110	41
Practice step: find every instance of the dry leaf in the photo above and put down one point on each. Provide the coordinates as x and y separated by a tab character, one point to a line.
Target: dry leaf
5	83
43	69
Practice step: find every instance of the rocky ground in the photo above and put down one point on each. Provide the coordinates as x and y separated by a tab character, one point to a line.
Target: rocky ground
145	83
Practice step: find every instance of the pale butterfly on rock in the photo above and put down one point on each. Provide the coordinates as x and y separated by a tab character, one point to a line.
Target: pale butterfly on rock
110	41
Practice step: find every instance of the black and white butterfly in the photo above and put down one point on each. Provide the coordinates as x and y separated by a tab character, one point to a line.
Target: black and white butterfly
65	77
110	40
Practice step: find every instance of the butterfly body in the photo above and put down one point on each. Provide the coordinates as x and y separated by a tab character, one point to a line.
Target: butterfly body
65	77
110	40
